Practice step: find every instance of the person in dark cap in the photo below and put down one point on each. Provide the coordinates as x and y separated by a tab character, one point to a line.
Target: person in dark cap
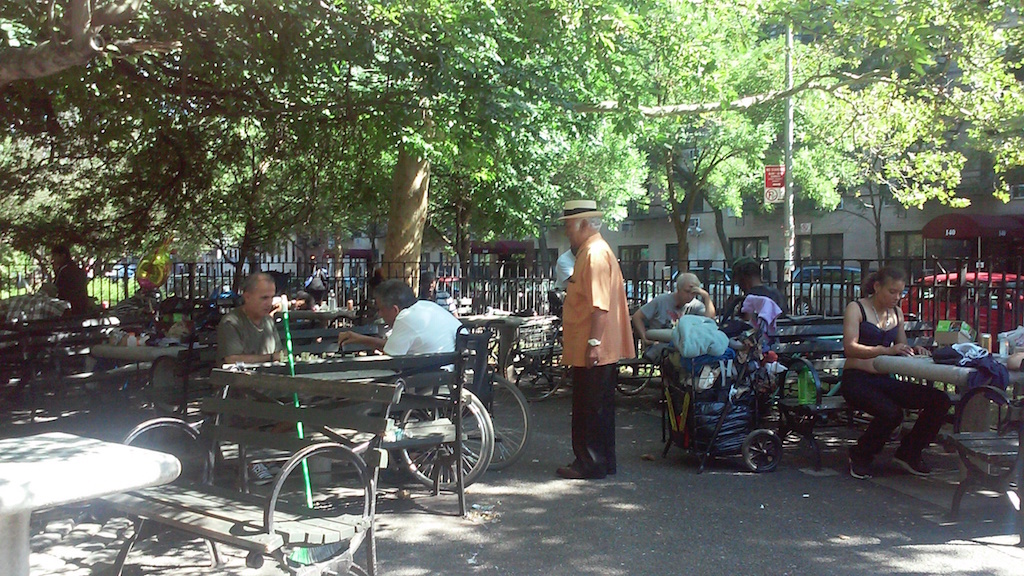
746	272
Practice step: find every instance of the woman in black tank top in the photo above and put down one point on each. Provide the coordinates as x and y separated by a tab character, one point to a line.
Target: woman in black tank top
872	327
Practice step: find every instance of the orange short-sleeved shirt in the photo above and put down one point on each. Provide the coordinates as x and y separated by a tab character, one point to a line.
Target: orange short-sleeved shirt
596	283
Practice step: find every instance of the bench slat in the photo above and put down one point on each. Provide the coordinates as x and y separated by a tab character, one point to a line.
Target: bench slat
210	513
811	347
245	535
358	418
827	403
358	390
257	438
988	445
419	434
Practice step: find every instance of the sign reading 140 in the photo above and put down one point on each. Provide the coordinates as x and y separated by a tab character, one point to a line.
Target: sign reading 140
950	231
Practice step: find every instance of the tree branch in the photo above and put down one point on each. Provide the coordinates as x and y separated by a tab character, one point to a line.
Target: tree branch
814	83
53	56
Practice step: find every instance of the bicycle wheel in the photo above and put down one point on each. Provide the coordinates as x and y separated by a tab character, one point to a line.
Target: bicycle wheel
477	446
981	410
538	379
510	416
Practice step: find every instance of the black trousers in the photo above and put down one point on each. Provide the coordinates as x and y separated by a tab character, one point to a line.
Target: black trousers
885	398
593	418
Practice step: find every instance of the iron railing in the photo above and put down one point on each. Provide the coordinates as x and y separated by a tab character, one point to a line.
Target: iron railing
988	294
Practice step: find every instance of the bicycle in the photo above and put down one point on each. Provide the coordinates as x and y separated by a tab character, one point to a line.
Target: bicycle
635	374
536	358
506	405
427	410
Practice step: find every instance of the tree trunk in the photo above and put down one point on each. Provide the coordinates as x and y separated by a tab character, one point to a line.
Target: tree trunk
463	243
683	224
720	231
683	251
244	250
878	225
407	215
544	264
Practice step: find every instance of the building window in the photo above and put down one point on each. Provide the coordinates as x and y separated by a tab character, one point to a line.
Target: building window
904	245
906	249
756	247
633	261
820	248
1017	192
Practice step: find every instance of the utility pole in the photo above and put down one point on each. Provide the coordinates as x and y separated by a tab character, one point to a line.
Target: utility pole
790	224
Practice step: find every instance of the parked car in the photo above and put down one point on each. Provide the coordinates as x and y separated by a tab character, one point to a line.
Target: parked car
990	302
824	290
640	292
120	269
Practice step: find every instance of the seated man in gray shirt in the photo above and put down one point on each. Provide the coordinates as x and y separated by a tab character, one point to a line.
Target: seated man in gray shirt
664	310
247	333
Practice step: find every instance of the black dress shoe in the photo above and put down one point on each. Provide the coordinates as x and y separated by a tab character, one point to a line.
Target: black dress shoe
574	473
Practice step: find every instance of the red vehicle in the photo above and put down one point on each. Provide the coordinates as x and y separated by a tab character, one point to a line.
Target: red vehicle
990	302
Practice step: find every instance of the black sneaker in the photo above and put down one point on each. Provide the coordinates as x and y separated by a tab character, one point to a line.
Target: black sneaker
859	469
915	466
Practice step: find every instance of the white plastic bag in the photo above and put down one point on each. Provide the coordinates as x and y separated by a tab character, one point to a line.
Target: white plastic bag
1014	339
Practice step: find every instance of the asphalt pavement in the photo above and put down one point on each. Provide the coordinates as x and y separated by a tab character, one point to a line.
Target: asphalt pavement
655	516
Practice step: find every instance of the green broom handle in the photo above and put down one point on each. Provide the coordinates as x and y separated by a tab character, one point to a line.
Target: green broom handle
298	425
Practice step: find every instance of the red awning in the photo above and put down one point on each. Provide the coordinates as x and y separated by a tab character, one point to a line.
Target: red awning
364	253
502	247
972	226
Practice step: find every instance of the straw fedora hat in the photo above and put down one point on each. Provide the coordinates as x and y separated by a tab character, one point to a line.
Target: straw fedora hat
580	209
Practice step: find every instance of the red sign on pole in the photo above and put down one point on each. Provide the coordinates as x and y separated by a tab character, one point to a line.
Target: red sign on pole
774	184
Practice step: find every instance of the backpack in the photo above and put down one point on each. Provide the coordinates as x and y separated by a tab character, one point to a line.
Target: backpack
316	281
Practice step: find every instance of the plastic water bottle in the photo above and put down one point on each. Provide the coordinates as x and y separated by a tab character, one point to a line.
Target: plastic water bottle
332	303
806	393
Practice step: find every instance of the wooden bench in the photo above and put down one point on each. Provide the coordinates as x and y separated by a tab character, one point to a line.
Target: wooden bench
438	418
319	508
988	432
815	345
44	357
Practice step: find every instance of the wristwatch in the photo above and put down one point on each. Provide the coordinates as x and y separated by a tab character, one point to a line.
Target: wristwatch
593	342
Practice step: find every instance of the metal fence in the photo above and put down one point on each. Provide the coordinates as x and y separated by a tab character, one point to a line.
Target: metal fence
989	293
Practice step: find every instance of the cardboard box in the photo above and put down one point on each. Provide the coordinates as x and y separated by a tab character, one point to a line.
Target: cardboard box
953	332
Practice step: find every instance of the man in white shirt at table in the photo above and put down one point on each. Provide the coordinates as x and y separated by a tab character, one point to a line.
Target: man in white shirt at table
417	326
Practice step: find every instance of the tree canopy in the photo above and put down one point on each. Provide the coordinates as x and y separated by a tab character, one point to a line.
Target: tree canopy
244	123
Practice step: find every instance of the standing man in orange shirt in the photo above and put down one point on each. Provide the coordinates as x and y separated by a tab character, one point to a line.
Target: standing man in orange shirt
596	335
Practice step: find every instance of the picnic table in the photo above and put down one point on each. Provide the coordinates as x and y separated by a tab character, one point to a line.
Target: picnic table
138	354
56	468
924	368
169	367
320	318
